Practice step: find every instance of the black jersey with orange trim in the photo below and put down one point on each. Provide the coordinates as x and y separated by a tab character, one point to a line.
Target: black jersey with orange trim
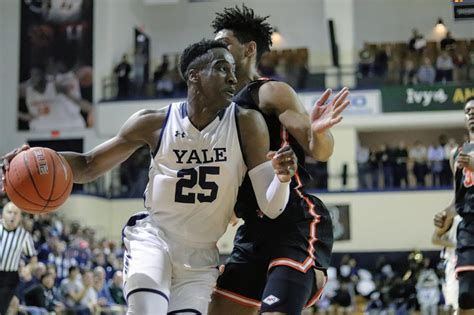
279	137
302	235
464	186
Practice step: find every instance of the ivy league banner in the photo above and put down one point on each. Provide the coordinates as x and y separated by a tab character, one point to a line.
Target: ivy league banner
425	98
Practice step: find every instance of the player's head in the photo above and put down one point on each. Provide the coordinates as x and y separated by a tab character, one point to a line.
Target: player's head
209	71
11	215
469	114
248	36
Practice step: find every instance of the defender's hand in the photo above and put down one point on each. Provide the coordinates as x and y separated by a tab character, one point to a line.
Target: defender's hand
324	116
284	162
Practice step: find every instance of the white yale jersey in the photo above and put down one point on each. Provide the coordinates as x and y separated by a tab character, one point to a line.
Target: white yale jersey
195	176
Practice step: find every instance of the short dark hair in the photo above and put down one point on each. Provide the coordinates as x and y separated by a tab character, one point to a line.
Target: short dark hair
190	56
47	274
246	27
72	268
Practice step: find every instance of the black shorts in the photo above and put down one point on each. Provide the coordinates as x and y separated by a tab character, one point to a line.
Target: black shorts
301	238
466	290
465	246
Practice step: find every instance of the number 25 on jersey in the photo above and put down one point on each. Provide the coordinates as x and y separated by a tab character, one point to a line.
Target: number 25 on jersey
189	177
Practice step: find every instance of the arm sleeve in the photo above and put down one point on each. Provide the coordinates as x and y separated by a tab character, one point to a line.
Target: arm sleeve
272	195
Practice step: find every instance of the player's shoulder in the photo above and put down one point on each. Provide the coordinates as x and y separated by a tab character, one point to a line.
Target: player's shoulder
276	87
150	116
247	116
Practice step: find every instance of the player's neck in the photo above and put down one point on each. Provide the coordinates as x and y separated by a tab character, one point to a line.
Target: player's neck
247	75
200	114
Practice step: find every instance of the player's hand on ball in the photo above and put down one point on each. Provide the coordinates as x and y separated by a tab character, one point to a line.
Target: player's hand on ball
465	160
284	162
5	162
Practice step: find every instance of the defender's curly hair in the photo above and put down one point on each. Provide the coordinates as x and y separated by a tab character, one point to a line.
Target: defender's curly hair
246	27
196	53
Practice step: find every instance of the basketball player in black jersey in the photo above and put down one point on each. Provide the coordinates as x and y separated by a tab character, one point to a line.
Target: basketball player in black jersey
276	265
462	162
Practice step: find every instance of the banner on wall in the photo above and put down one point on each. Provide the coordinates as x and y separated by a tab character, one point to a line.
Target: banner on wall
363	102
425	98
55	65
340	221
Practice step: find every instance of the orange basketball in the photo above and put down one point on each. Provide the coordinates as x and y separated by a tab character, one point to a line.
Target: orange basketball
39	180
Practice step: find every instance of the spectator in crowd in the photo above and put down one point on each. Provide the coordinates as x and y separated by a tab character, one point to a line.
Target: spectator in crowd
116	288
444	67
426	72
435	160
363	169
122	71
73	292
388	164
164	86
427	291
470	69
417	42
366	59
104	298
162	69
448	42
418	155
381	63
460	66
409	72
374	165
447	173
44	295
88	296
401	159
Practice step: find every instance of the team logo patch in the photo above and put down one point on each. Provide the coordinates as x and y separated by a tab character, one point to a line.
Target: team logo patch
271	299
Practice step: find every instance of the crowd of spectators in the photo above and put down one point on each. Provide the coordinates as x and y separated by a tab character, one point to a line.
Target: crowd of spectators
75	272
418	61
289	65
397	166
384	289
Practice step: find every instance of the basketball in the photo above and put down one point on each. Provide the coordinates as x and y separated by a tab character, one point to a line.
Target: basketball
39	180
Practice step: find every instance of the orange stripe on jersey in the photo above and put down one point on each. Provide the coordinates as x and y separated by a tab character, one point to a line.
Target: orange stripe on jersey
311	206
303	267
239	299
464	268
317	296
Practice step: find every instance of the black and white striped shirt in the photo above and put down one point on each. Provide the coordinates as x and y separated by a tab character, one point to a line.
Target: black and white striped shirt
12	245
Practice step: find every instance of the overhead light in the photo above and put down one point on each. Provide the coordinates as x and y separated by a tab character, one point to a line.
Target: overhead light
440	22
276	37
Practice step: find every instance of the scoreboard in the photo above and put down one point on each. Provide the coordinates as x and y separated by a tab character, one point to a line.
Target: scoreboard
463	10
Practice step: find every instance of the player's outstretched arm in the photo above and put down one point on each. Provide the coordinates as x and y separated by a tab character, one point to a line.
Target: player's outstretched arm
140	129
270	179
311	131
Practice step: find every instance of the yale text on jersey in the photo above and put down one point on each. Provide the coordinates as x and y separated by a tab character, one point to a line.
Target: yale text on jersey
201	156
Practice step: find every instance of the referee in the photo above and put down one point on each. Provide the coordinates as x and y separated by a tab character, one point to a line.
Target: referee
14	240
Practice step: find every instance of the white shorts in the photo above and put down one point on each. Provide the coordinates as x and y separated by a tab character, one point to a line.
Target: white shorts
451	284
182	274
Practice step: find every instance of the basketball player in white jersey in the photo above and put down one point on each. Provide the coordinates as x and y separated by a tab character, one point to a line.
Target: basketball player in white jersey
202	149
447	239
52	106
